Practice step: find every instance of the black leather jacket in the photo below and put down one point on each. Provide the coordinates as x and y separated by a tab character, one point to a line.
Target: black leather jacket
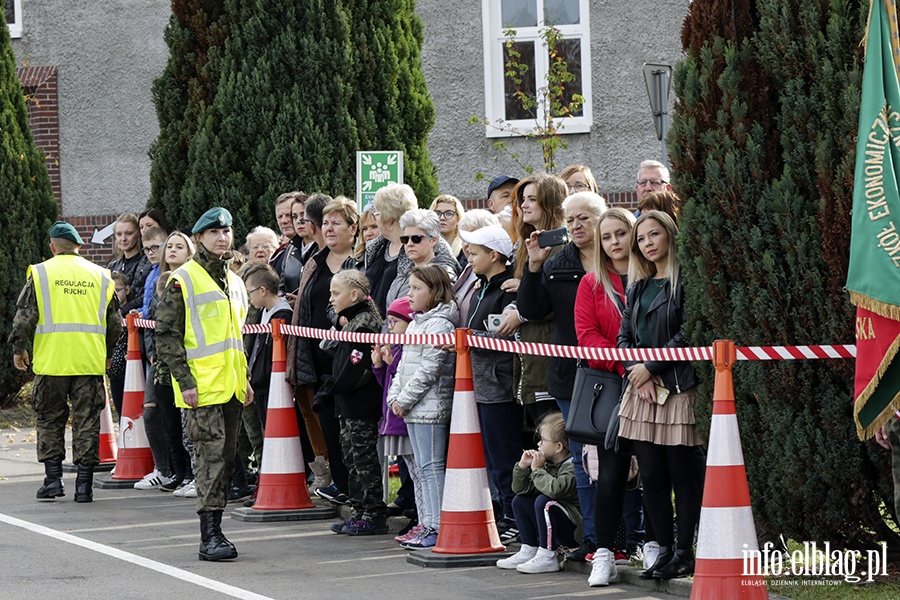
665	322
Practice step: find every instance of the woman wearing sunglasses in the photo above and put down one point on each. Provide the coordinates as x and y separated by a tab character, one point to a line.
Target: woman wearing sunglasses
423	245
450	210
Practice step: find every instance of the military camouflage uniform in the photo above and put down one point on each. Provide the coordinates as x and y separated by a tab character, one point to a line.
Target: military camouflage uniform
51	392
213	429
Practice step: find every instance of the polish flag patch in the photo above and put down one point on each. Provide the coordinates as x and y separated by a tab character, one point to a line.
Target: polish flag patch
356	356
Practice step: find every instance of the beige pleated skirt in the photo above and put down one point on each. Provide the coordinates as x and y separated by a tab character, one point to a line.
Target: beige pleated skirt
670	424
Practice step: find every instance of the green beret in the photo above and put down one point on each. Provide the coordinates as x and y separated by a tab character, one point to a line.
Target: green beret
63	230
213	218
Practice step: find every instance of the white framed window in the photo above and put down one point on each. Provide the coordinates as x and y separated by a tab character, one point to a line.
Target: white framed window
529	18
14	17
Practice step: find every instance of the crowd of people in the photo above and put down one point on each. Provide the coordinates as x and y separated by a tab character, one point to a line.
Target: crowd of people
610	279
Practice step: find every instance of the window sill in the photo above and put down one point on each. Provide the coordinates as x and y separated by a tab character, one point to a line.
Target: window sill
523	127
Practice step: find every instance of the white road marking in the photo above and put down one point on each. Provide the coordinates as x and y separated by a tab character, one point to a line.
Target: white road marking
180	574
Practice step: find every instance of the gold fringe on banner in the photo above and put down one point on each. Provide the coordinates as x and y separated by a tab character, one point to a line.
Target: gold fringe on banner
889	311
865	433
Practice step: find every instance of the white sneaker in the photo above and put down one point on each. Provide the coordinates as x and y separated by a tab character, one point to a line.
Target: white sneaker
184	486
603	568
544	561
651	553
190	490
524	554
152	481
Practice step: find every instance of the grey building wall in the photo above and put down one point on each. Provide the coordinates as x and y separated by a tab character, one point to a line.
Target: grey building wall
107	52
624	35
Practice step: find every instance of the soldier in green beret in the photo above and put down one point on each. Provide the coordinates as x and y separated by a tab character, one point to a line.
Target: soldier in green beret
198	337
67	303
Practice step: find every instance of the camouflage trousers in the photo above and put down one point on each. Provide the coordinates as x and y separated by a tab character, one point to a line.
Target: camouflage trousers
893	430
214	432
50	401
358	439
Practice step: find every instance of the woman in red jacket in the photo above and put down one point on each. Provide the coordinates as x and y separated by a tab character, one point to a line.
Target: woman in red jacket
598	313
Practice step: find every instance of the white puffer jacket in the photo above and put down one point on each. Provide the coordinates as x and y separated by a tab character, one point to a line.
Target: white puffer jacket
425	378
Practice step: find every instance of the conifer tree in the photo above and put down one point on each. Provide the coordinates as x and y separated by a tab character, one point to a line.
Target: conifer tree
195	35
763	151
27	207
390	100
281	117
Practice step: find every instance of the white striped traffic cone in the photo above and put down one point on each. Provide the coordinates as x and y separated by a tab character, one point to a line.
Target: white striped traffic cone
134	458
727	564
467	514
282	494
108	444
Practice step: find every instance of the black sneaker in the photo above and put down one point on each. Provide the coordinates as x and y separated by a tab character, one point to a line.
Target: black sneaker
238	494
332	494
580	553
508	530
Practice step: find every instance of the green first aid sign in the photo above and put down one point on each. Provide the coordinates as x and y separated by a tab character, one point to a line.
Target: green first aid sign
374	170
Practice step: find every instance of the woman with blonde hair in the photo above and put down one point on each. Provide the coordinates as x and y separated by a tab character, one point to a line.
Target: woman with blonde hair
579	178
598	314
657	412
450	210
385	253
129	259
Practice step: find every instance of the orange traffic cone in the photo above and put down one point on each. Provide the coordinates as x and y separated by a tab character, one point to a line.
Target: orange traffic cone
134	458
108	447
467	514
728	558
282	494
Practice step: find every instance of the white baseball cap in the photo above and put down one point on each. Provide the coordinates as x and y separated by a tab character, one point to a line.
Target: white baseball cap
493	237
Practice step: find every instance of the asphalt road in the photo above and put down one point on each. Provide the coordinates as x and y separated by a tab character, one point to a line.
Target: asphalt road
143	545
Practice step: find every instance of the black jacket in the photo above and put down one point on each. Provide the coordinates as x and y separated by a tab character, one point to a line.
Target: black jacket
665	322
553	290
261	367
492	371
357	394
303	357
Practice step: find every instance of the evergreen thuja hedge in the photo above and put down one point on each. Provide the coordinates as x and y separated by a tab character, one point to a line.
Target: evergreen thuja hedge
762	148
27	208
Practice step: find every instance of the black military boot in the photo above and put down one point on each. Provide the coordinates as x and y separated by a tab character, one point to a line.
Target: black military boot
218	520
84	484
213	545
53	484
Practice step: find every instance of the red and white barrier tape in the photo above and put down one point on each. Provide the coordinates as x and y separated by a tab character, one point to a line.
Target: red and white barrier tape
535	349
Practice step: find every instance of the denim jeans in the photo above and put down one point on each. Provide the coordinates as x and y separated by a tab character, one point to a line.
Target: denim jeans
582	481
429	442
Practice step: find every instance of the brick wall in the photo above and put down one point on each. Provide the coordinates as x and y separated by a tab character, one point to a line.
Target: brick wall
40	86
626	200
98	253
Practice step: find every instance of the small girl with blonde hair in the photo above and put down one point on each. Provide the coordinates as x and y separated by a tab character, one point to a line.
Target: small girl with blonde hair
357	399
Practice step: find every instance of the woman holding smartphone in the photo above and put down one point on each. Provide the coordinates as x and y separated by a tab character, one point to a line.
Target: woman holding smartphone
657	411
549	286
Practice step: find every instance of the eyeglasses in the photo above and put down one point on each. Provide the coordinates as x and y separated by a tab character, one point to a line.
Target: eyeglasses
120	290
651	181
262	247
256	289
445	214
415	239
538	439
391	321
579	187
152	249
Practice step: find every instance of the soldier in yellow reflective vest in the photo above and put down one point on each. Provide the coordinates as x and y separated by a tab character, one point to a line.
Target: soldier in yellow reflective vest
198	337
69	305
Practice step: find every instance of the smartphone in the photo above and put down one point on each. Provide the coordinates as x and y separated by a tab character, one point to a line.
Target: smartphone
662	394
553	237
493	322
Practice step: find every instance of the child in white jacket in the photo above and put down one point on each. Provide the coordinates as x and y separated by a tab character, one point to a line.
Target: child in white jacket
422	392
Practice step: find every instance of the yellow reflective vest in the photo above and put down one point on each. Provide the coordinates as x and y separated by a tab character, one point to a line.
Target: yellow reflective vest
213	344
72	297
